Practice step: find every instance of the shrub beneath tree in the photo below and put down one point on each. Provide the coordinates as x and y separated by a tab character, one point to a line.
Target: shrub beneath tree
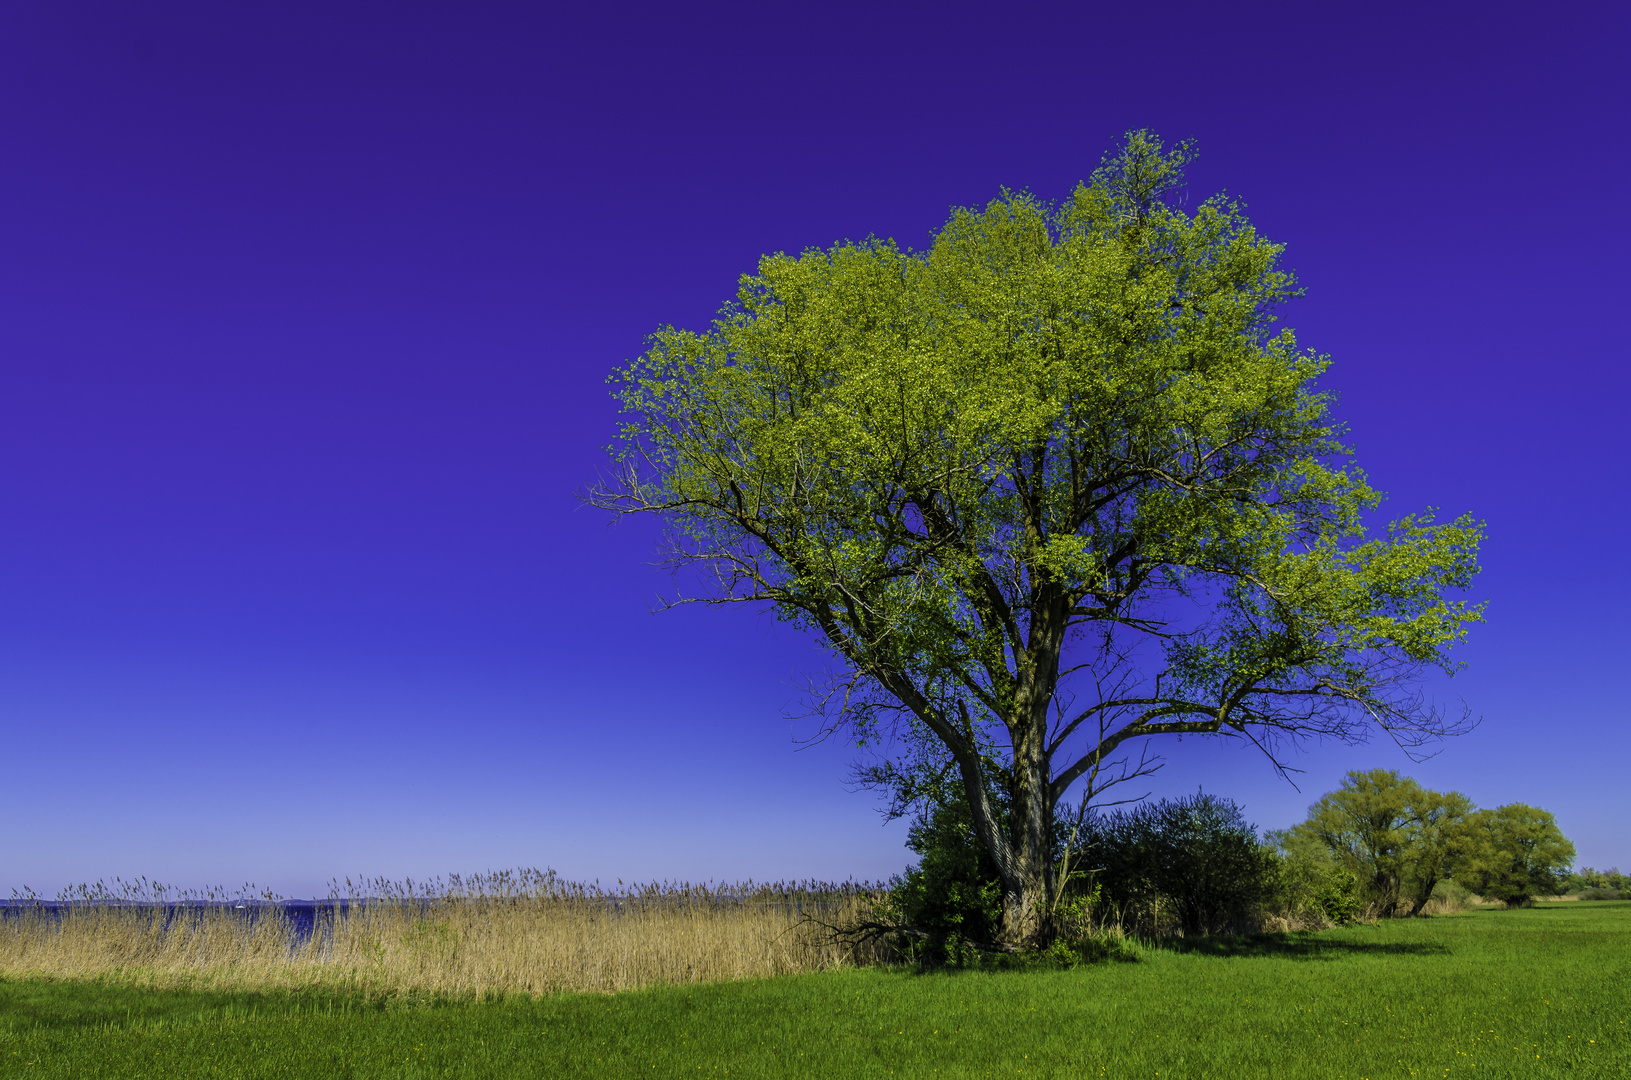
1197	857
951	901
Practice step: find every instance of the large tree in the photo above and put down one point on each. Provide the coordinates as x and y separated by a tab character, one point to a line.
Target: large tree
1053	486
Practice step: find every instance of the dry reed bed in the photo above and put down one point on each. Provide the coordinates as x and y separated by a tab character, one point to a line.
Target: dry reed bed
524	932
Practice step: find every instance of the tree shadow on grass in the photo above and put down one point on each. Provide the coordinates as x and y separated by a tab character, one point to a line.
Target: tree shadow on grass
1297	947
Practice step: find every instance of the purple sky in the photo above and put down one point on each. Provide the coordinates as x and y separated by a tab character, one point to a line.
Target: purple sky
305	317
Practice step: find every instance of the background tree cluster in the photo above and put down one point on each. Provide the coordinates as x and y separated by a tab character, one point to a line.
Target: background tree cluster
1590	884
1399	841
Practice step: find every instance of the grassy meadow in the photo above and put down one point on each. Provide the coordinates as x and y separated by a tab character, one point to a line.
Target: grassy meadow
1539	992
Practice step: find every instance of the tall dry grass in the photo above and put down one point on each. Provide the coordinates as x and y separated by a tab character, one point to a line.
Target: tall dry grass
514	932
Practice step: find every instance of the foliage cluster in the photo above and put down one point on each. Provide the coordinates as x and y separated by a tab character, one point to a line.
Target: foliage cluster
1192	865
952	899
1396	839
1515	853
1590	884
1312	884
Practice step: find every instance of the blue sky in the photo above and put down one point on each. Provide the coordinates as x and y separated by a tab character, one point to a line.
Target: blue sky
305	319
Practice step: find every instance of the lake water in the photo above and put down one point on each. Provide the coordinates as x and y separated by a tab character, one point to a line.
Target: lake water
301	914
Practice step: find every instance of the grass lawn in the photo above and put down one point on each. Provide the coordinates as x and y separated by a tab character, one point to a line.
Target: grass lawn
1535	993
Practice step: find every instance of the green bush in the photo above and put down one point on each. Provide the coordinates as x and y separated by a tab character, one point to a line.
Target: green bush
953	896
1309	883
1196	857
1337	900
1072	951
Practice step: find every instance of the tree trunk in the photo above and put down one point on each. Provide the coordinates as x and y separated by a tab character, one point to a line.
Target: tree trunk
1425	895
1028	892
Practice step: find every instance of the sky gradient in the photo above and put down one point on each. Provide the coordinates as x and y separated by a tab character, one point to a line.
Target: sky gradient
306	313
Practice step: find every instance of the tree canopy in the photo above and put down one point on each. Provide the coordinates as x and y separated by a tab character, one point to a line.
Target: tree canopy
1054	485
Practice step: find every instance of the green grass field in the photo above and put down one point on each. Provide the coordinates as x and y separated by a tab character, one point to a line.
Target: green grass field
1532	993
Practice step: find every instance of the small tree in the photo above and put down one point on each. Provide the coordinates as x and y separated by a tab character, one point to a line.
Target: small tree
1055	486
1516	852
